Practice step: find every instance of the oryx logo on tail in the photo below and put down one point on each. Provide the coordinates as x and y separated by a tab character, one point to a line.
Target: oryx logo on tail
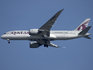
83	25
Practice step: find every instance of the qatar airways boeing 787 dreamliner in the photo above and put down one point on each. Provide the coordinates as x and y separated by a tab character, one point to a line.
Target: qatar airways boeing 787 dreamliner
43	35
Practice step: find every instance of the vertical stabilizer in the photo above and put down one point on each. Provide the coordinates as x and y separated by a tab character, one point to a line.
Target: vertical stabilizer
83	25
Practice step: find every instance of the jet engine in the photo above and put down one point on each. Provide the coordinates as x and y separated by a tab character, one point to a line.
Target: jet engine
33	31
34	44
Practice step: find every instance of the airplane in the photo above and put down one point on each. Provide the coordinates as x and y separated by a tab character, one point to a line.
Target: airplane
43	35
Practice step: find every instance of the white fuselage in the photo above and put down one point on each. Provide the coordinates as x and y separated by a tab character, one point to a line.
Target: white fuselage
54	35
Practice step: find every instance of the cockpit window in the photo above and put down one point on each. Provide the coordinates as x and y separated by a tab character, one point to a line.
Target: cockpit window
8	32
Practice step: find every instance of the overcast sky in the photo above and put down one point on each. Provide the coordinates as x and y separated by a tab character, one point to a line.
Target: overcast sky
76	54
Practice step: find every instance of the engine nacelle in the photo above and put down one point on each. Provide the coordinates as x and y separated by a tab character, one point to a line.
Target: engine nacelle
34	44
33	31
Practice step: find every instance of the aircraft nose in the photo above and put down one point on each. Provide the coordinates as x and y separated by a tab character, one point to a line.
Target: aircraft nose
2	36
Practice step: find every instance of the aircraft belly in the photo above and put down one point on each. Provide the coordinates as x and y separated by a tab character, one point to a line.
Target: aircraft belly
65	36
72	36
17	37
60	36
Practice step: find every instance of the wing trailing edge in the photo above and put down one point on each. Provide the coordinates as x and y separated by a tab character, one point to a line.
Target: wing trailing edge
53	45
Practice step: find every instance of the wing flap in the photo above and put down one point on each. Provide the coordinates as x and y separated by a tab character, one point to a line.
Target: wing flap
53	45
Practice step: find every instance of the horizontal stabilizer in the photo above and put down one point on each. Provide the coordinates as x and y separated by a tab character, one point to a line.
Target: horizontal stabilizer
84	31
87	37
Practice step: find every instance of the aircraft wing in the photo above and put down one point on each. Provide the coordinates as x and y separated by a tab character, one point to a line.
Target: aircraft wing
50	22
45	29
44	42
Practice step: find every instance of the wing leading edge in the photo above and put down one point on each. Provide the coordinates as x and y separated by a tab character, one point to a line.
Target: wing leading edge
45	29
